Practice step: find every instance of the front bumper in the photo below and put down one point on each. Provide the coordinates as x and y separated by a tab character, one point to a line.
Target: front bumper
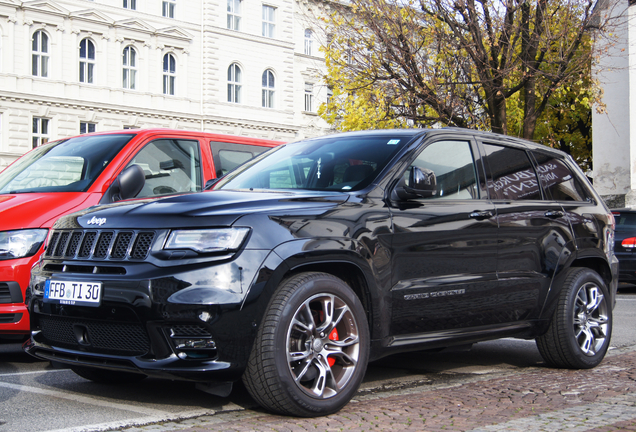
185	323
171	367
14	278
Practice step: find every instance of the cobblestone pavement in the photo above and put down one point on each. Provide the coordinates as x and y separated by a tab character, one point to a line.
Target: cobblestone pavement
530	399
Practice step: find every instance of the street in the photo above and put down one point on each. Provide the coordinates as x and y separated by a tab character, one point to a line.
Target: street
35	396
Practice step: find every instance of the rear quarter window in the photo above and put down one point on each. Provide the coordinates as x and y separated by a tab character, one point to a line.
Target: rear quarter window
558	180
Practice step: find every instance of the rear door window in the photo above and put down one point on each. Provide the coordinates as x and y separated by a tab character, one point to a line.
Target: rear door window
170	166
230	159
625	220
228	156
510	174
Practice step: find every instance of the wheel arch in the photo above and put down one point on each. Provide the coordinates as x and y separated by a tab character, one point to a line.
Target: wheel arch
347	264
592	262
349	272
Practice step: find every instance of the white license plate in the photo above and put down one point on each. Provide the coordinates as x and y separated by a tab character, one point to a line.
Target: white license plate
73	293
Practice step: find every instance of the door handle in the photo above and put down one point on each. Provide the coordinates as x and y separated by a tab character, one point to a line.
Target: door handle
480	215
554	214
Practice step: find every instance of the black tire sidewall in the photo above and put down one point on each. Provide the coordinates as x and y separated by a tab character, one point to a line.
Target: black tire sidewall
319	284
580	359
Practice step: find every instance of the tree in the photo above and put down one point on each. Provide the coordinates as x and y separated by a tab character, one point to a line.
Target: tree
456	62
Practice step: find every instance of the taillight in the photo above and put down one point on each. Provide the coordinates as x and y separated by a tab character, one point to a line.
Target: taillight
629	243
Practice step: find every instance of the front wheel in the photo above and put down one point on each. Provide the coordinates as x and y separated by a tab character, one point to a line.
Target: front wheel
311	352
581	327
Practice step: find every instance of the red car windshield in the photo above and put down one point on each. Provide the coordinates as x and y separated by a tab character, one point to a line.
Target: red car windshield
70	165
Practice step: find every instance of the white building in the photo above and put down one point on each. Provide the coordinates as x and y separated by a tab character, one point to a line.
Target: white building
245	67
614	138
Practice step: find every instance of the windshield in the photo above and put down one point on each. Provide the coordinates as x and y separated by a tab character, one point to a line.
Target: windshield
70	165
334	163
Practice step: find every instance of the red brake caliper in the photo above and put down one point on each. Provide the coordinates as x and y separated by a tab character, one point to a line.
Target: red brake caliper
333	336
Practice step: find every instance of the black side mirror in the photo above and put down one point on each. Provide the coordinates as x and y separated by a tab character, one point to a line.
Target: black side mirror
421	184
127	184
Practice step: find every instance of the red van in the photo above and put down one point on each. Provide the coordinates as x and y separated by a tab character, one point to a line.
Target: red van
99	168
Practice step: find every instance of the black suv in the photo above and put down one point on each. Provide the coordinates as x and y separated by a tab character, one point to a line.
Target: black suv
316	257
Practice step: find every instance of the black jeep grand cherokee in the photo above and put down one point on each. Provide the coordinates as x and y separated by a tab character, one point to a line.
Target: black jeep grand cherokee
301	266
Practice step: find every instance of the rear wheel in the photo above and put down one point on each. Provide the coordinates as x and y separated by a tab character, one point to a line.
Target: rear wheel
581	327
311	352
106	376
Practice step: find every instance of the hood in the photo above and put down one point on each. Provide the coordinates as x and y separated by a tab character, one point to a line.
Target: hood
35	210
211	208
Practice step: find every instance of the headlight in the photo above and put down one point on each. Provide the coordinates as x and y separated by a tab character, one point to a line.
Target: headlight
207	240
20	243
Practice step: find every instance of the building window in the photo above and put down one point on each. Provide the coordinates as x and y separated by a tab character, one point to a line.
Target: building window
167	8
268	89
234	83
40	54
129	67
169	74
234	14
309	42
269	21
329	95
309	97
40	131
86	127
130	4
87	61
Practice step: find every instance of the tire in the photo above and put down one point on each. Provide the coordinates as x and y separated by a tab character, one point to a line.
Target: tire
311	352
580	330
106	376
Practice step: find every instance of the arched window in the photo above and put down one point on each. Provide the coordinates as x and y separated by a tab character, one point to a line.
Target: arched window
169	74
129	67
309	42
40	54
268	89
87	61
234	83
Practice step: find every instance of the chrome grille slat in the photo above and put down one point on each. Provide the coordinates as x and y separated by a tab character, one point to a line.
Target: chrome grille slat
109	245
61	244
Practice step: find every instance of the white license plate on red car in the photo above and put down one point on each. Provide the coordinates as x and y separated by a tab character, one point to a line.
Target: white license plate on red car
73	292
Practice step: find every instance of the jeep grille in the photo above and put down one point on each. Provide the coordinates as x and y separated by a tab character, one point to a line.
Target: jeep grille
100	244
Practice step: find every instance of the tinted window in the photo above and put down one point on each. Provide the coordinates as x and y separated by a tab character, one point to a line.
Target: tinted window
63	166
171	166
454	169
510	174
230	159
557	179
625	220
228	156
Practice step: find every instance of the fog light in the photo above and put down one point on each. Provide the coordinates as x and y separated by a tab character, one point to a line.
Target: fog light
202	343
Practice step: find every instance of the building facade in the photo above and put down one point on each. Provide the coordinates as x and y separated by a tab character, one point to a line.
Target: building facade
244	67
614	138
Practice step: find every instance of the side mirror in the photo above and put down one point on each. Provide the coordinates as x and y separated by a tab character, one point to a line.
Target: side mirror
128	183
421	184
